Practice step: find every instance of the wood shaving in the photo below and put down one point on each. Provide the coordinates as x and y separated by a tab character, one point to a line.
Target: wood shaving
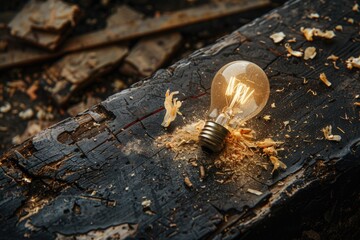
146	203
277	163
353	62
172	107
267	117
313	16
202	172
328	134
31	91
188	182
309	33
324	79
255	192
277	37
355	8
293	40
310	53
332	57
350	20
357	104
273	105
26	114
6	108
335	66
291	52
240	148
338	28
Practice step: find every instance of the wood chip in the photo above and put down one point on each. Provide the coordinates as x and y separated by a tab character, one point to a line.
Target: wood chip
355	8
291	52
328	134
255	192
188	182
314	16
350	20
309	33
202	172
353	62
338	28
332	57
172	107
310	53
277	163
267	117
277	37
324	79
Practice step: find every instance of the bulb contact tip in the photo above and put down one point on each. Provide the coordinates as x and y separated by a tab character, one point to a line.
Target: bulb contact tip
212	136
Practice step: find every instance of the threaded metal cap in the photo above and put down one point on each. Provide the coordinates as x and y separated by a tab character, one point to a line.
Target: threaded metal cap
212	136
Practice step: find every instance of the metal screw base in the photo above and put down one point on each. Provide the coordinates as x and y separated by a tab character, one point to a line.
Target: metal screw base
212	136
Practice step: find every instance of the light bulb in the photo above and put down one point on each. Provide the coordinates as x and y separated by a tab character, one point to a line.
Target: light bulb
239	91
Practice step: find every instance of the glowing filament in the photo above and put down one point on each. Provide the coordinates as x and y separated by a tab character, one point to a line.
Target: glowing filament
242	92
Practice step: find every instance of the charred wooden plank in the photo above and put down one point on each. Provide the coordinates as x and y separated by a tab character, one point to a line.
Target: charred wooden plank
149	54
135	29
44	23
66	180
76	70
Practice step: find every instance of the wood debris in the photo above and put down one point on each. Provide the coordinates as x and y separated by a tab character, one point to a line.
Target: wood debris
255	192
328	134
76	70
353	62
188	182
310	53
291	52
277	163
26	114
33	127
150	53
313	15
309	33
44	23
357	104
202	172
332	57
355	8
350	20
277	37
338	28
324	79
267	117
5	108
172	107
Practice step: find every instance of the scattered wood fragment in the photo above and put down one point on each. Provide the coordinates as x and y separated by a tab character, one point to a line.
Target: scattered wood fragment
309	33
132	30
332	57
188	182
150	53
172	107
75	70
253	191
355	8
277	37
202	172
353	62
291	52
44	23
310	53
338	28
324	79
313	15
328	134
277	163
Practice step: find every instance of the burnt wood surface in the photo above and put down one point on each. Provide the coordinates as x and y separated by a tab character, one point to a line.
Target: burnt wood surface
93	175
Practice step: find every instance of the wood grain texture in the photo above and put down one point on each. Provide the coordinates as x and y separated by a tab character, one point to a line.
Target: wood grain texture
94	171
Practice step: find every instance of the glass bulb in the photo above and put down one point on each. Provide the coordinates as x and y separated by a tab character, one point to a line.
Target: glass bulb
239	91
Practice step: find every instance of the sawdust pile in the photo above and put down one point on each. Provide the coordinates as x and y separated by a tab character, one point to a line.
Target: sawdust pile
240	145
